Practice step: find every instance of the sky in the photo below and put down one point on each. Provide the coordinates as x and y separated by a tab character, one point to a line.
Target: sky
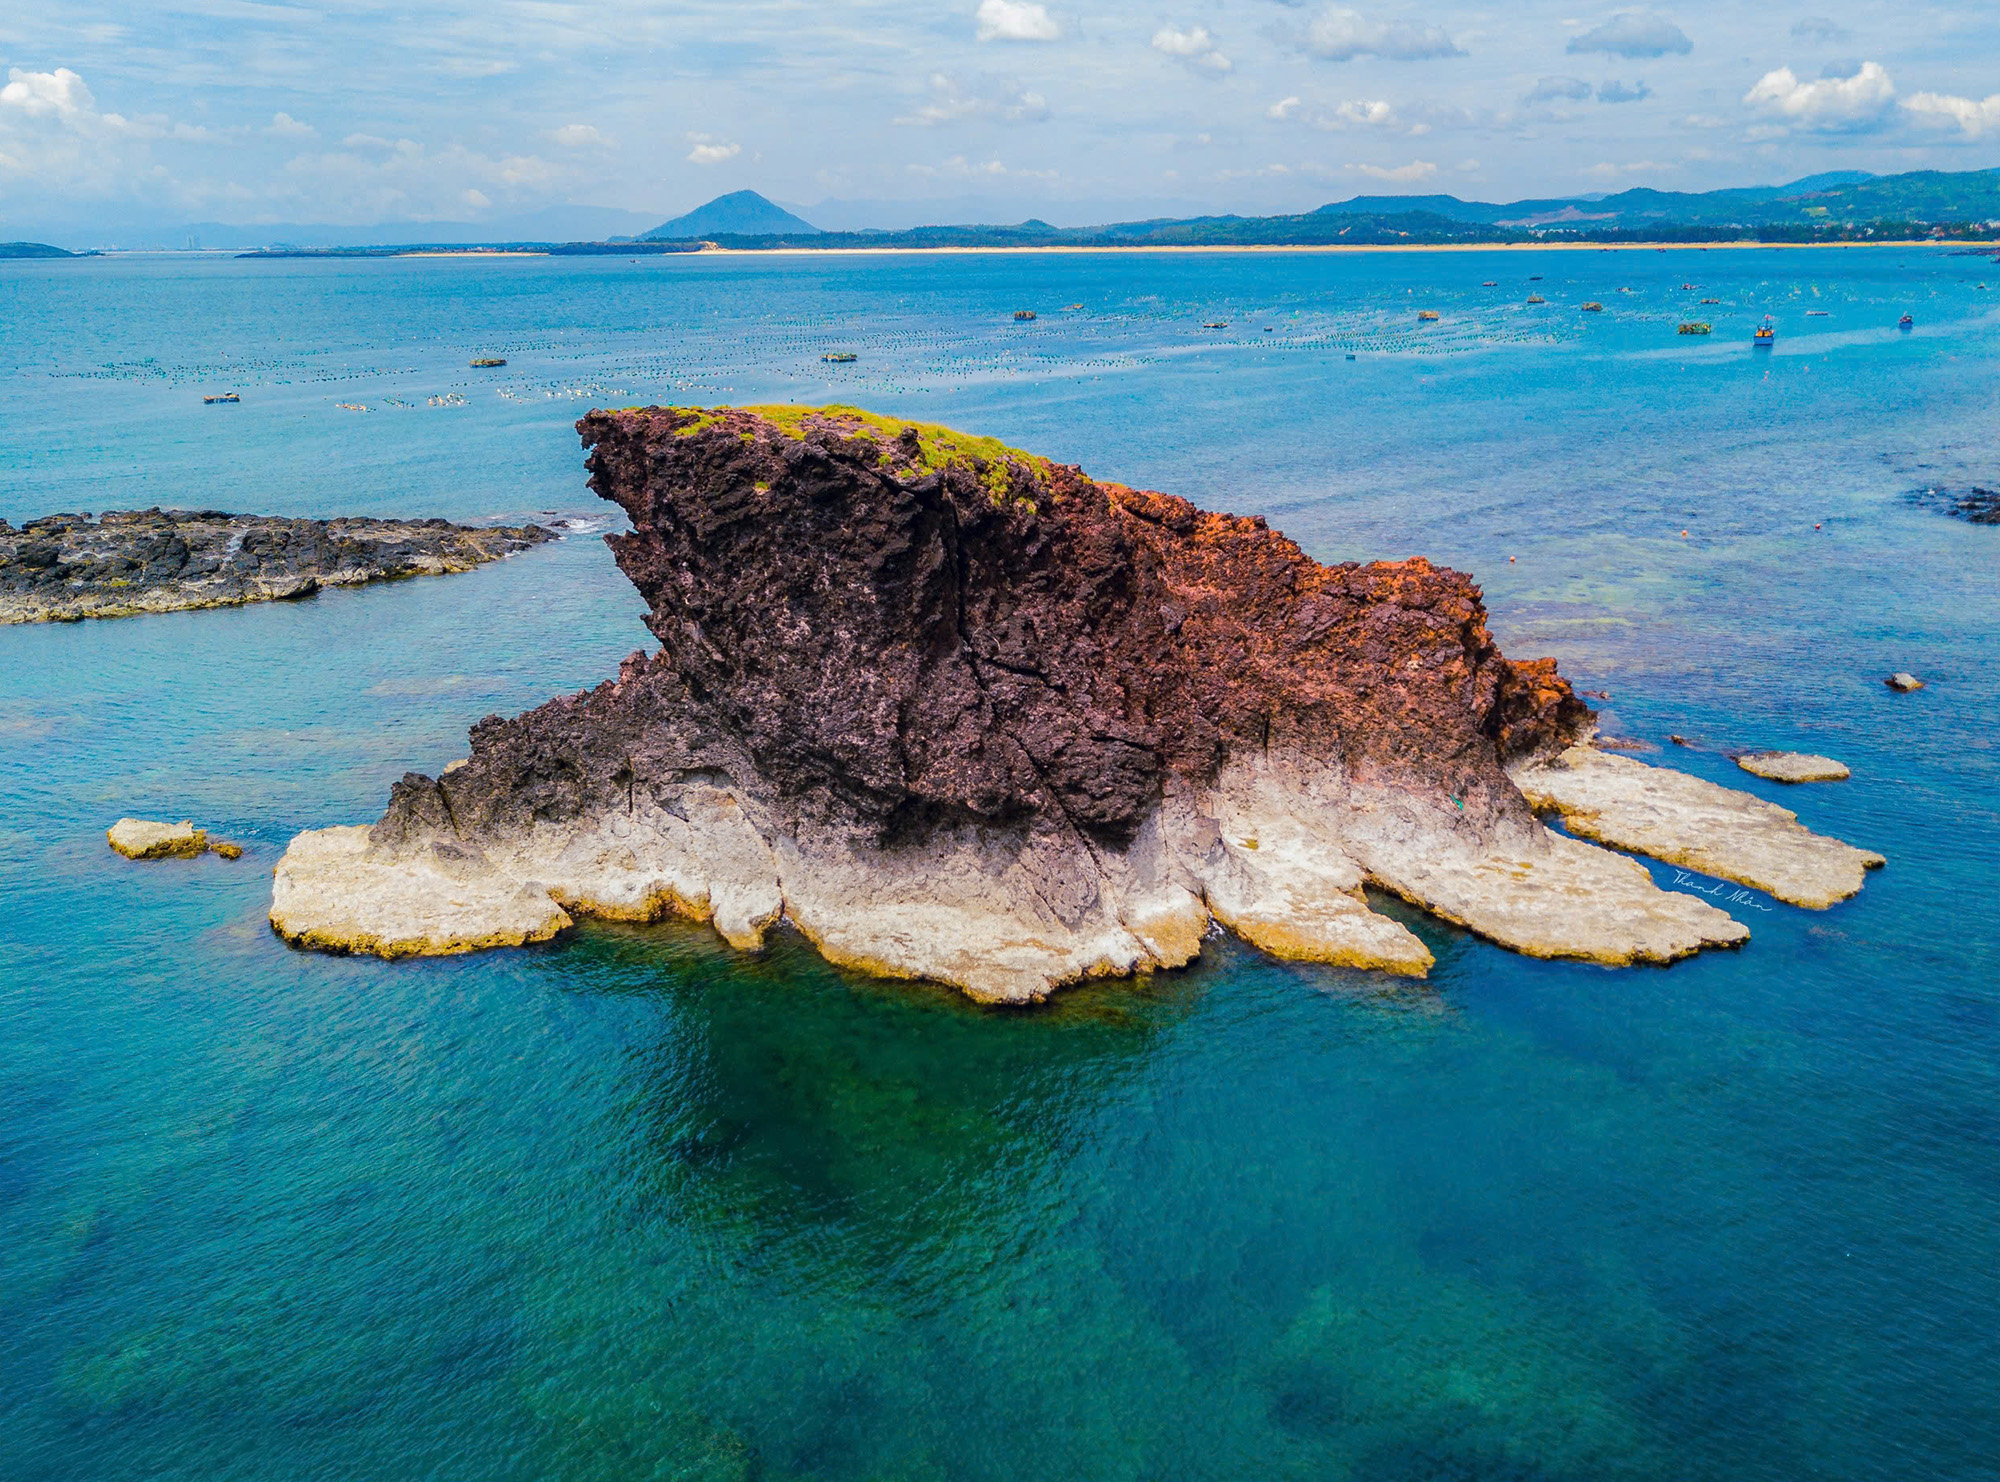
893	112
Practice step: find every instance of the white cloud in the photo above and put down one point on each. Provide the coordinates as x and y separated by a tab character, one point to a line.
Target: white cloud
999	98
1195	47
711	149
1634	33
1378	115
52	133
1831	104
1401	174
1363	114
1637	167
284	126
1819	28
1283	108
1016	20
1973	117
478	200
59	94
1618	92
578	136
1340	35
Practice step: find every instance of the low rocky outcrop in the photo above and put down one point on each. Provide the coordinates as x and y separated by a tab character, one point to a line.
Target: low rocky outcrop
1793	766
961	713
144	838
1979	506
126	562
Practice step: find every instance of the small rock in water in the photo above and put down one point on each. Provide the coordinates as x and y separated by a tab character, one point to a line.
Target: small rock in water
226	849
1904	682
142	838
1792	766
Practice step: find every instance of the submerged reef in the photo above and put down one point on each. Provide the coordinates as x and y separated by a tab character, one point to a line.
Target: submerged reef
1977	505
127	562
961	713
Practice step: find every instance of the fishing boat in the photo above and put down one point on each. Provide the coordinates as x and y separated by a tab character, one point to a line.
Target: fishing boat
1216	324
840	357
1695	326
1490	283
1906	324
227	398
487	362
1711	300
1765	337
1593	308
1424	316
1536	298
1024	315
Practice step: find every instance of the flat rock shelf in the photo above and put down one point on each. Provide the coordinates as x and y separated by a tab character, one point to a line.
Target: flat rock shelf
125	562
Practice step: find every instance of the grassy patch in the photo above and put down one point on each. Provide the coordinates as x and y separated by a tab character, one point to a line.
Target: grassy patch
938	447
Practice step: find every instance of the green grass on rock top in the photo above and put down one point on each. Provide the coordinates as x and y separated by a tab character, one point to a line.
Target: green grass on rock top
938	447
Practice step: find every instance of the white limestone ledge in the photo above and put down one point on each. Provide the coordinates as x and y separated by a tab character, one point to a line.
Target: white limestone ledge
1687	821
1277	852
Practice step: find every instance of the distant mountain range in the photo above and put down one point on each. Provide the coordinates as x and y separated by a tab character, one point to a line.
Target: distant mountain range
1839	205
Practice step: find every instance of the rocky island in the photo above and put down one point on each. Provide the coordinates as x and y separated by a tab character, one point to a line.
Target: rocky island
126	562
962	713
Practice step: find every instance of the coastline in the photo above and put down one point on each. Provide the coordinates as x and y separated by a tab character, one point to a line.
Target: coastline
1201	248
1280	247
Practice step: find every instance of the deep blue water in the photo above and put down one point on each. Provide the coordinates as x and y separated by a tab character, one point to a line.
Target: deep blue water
632	1206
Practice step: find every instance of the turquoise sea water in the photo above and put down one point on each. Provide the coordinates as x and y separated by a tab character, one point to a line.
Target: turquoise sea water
632	1206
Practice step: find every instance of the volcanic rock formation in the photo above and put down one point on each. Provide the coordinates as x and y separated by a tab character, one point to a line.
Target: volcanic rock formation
127	562
961	713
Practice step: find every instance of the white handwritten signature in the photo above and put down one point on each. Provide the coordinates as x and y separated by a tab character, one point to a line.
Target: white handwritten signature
1734	895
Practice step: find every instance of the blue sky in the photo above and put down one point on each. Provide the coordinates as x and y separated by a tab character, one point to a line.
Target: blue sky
364	110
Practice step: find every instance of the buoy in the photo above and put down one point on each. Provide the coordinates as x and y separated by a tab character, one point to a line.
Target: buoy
1683	535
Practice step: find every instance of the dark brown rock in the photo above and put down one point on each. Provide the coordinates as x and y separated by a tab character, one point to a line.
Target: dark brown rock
900	629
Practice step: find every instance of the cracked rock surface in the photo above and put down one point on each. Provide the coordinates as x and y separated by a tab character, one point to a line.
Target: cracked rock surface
961	713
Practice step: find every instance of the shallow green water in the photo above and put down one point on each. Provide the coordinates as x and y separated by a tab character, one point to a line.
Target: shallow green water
631	1205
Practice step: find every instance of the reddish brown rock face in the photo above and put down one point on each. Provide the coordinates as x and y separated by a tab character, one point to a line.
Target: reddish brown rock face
909	644
959	713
